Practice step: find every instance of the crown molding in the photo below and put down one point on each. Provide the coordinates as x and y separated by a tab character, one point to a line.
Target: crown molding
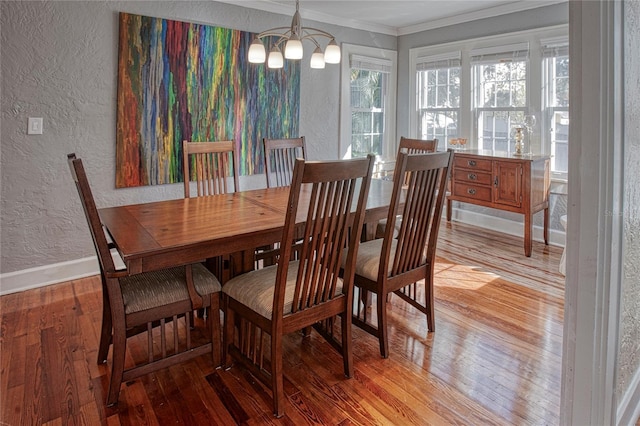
474	16
279	8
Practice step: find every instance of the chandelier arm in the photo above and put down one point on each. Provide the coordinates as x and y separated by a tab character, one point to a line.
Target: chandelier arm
273	32
317	32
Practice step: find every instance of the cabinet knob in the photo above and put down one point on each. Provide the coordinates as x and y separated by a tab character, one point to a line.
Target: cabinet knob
471	163
471	191
472	176
495	181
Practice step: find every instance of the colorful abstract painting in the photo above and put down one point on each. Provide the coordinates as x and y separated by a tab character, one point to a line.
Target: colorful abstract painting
184	81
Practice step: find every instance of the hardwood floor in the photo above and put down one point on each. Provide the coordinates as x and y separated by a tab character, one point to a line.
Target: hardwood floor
495	357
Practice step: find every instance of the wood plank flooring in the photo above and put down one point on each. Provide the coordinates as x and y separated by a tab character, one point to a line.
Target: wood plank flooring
495	357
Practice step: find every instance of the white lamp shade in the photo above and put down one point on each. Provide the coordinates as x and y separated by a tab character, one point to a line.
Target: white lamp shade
332	53
293	49
275	59
317	59
257	54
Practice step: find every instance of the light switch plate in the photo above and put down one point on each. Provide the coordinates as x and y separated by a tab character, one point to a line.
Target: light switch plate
35	126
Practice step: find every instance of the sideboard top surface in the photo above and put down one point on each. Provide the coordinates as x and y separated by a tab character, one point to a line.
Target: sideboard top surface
500	154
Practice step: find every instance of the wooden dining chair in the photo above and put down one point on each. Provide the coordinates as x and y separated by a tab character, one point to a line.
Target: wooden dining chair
293	295
399	264
279	158
408	146
133	304
209	164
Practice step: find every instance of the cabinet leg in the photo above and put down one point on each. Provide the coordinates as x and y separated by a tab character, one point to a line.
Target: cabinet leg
546	226
448	210
528	233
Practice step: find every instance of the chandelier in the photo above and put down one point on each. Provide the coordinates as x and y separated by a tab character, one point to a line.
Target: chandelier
292	39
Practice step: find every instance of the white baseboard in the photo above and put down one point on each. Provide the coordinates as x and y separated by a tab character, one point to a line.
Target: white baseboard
41	276
506	226
629	407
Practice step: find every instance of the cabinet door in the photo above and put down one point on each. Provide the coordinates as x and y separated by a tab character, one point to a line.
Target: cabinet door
508	181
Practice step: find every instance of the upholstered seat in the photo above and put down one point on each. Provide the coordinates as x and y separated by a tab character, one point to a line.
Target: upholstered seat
158	288
255	289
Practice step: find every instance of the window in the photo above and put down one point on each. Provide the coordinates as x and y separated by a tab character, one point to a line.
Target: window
555	64
369	82
368	102
500	94
438	92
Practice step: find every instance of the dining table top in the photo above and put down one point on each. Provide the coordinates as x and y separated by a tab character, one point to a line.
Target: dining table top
168	233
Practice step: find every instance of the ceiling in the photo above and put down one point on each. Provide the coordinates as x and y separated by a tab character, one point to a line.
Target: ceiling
394	17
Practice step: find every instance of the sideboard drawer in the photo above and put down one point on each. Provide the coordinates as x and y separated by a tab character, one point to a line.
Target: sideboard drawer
472	176
475	192
475	163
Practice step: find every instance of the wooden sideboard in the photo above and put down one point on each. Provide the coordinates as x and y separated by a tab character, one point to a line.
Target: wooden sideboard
518	184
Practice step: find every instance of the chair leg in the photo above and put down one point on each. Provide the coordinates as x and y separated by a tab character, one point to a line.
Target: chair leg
117	367
277	380
382	325
214	326
105	333
227	338
430	303
347	350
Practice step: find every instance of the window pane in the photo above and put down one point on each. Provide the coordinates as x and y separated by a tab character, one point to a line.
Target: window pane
495	129
441	125
560	141
502	85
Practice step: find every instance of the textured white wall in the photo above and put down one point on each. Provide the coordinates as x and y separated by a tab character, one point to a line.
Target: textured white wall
629	341
59	62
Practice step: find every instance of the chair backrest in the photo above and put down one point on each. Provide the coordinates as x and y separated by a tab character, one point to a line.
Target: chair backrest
91	213
417	146
322	197
424	194
209	164
279	158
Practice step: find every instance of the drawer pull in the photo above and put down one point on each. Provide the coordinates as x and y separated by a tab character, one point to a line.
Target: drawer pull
472	176
471	191
471	163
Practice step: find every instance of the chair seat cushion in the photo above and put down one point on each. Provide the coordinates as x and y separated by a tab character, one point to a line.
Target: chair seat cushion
255	289
368	260
382	227
158	288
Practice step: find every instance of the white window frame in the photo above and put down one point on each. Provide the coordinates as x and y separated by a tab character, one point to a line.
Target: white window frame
467	126
389	143
436	62
492	56
561	46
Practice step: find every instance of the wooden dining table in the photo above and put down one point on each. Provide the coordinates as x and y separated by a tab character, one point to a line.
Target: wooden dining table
170	233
